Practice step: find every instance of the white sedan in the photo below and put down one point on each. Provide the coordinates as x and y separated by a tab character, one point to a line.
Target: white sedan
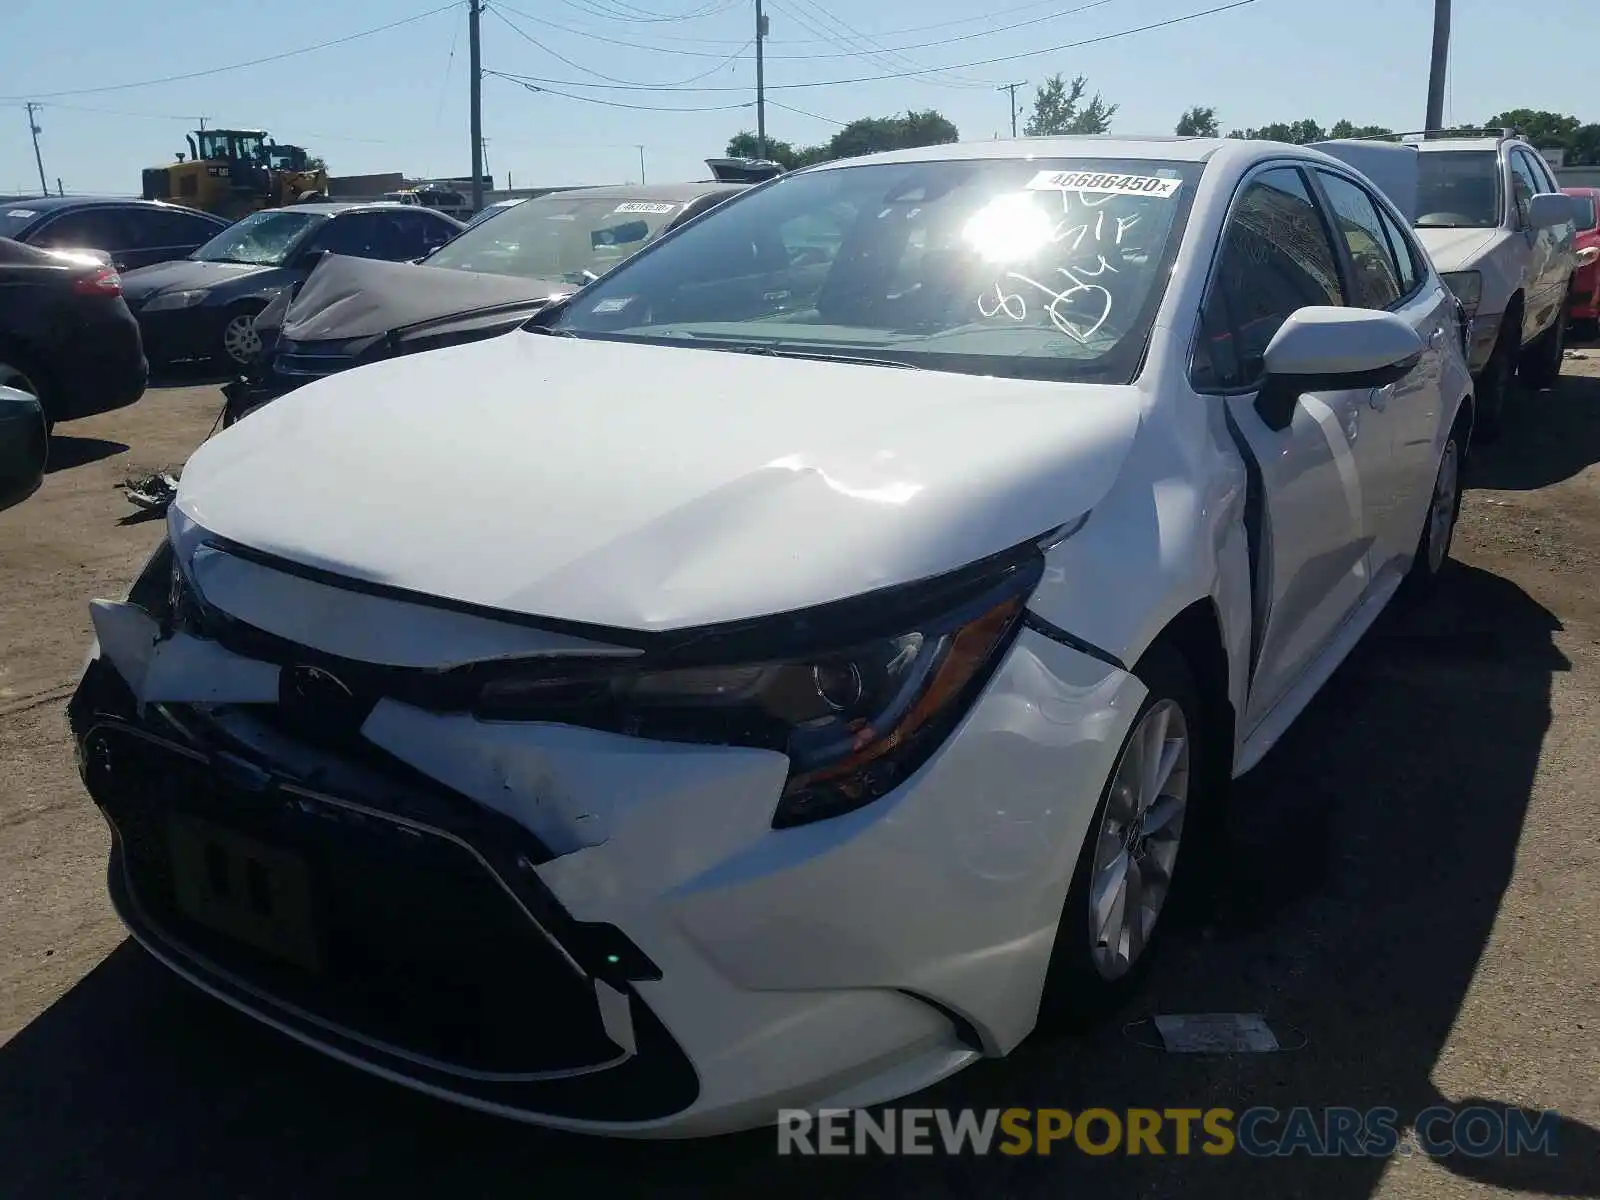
801	663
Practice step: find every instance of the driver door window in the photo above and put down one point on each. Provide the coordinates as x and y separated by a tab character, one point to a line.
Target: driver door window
1276	258
1523	188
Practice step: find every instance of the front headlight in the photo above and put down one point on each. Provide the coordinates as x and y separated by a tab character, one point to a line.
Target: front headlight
1467	287
171	300
855	720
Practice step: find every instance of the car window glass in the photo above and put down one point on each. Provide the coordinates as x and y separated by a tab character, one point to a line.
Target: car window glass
1523	186
1542	175
1276	258
160	229
1375	280
88	229
430	233
1406	258
1458	189
352	234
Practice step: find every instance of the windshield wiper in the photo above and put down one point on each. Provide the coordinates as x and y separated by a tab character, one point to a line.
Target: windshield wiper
779	350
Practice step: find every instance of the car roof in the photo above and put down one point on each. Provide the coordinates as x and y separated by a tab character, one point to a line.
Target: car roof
1168	147
50	204
1462	143
679	193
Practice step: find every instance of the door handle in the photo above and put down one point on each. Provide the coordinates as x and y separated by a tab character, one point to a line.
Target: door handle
1379	397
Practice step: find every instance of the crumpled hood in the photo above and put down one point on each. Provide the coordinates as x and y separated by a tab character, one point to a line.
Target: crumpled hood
361	297
183	274
654	488
1455	249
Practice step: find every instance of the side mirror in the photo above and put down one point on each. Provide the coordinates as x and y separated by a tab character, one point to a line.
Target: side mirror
1552	208
1326	349
24	446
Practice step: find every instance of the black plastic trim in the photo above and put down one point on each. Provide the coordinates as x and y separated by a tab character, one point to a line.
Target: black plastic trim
1055	633
1254	533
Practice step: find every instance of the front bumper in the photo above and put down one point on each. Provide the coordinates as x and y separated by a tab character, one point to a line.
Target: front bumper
841	963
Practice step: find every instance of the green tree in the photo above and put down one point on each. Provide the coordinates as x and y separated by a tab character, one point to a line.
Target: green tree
1296	133
868	135
1197	122
1057	109
743	145
315	162
1344	129
1543	129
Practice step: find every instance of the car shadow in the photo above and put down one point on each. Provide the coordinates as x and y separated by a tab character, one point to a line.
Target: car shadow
190	373
67	451
1549	436
1369	854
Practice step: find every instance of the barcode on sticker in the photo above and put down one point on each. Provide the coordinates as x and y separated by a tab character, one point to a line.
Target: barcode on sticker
1104	183
644	206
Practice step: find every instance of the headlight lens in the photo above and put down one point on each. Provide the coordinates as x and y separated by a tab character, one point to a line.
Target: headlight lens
854	722
169	300
1468	288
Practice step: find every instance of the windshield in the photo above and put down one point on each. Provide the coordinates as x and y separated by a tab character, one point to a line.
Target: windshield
1458	189
15	219
567	236
1036	268
264	239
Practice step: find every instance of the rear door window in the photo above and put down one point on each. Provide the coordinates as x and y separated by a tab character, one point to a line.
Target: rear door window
1375	274
162	229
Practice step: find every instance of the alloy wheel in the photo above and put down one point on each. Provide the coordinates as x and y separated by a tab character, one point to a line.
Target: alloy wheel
1136	846
1442	512
240	340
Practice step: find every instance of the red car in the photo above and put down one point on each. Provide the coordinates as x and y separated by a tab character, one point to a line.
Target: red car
1583	312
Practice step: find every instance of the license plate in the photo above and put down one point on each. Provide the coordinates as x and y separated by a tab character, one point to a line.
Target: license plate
243	888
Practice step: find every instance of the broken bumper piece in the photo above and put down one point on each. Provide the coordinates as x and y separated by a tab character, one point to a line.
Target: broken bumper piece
561	924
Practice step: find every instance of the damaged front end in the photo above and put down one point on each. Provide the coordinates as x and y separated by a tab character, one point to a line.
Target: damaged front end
435	954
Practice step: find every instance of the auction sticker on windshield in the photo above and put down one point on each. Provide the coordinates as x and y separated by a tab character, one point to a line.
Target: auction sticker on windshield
653	207
22	213
1103	183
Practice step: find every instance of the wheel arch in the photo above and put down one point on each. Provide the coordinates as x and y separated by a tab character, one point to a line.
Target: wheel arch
1196	634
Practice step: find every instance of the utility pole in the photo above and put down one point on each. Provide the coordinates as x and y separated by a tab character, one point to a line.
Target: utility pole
761	84
203	124
641	166
1440	64
1012	88
33	126
475	54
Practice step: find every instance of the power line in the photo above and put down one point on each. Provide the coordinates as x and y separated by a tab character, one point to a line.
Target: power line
705	41
726	60
449	65
646	17
254	62
826	38
802	112
982	62
618	104
866	50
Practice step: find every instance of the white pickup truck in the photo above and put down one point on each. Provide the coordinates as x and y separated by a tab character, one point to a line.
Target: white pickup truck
1500	233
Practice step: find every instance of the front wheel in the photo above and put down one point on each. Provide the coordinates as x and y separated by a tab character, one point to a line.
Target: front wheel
1122	889
241	344
1495	387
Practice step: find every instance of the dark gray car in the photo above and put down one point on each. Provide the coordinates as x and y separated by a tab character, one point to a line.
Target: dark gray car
204	306
490	279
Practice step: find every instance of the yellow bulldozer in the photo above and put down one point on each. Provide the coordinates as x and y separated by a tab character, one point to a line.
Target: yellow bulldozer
234	172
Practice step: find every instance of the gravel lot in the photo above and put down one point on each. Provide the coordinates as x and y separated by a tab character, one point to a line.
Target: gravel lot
1414	894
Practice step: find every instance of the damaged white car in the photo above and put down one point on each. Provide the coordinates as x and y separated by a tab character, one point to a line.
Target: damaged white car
801	663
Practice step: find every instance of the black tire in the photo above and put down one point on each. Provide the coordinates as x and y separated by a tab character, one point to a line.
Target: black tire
1540	364
1585	329
1439	523
1077	992
1496	385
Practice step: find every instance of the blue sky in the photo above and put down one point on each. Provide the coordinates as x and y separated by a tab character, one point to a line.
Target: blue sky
397	100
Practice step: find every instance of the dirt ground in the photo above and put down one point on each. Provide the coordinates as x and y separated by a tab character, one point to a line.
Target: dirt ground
1413	892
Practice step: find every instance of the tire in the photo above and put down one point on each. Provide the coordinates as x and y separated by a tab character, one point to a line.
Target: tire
239	343
1439	522
1586	329
1540	364
1496	385
1090	974
19	371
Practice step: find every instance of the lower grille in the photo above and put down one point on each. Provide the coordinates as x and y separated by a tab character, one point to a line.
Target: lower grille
410	942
